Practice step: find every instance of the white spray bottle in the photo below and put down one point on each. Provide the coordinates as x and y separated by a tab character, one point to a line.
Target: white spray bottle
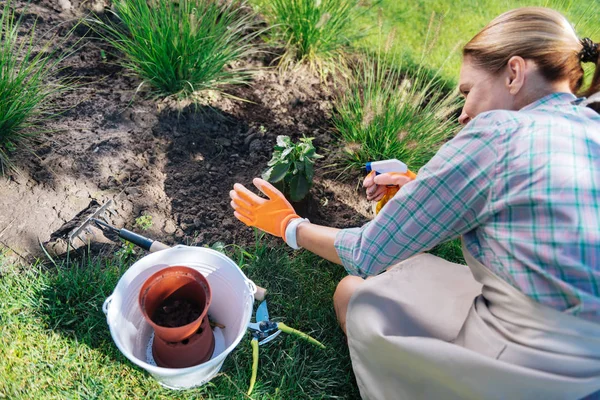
384	166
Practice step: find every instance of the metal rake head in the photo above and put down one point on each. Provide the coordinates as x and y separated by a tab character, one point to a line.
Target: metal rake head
92	220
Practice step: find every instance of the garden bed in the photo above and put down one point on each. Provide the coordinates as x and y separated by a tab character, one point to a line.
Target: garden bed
174	163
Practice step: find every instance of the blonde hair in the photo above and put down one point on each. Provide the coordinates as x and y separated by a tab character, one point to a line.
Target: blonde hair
536	33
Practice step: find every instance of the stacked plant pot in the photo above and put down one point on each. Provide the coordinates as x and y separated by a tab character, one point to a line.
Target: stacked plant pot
175	302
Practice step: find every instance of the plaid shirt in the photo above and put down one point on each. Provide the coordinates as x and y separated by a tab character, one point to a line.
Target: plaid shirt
522	187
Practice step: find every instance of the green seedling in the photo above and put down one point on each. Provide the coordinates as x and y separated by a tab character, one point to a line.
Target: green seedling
143	222
291	168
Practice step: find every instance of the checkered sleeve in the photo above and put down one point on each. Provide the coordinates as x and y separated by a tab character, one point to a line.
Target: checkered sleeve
449	197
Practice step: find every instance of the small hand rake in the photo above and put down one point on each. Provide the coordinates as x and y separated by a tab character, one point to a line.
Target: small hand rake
97	220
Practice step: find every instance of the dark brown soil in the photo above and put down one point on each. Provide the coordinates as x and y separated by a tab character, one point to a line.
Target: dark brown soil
174	163
176	312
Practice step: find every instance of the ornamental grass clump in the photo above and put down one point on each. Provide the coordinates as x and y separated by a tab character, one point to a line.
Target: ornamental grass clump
182	47
391	113
27	85
315	32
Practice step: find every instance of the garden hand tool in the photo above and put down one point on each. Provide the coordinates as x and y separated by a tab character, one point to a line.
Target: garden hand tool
270	215
263	331
97	219
395	172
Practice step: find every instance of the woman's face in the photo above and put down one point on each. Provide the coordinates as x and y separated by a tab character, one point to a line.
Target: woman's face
483	91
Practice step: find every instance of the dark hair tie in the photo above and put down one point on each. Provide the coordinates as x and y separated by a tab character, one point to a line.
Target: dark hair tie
590	51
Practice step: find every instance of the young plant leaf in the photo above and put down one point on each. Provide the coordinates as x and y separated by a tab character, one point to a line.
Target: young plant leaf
287	152
299	187
284	141
309	170
276	172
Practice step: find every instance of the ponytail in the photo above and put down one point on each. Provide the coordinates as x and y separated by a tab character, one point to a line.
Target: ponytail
591	53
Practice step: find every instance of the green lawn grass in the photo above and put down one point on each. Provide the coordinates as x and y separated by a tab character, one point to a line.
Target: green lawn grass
55	344
453	23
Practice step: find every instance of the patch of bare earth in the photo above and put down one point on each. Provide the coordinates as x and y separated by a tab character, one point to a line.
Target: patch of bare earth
176	164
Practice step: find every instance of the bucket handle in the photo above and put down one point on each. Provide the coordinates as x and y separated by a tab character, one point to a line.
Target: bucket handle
106	304
251	286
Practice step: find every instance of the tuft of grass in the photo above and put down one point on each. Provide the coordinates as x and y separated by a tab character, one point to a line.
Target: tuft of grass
388	112
315	32
182	47
27	84
55	344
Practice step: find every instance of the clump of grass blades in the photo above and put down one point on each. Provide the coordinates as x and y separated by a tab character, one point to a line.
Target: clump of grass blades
27	85
182	47
314	31
388	112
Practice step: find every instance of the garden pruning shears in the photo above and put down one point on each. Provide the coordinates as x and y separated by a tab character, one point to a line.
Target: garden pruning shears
264	330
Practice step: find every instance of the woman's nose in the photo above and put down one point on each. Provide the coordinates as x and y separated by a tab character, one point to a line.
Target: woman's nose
464	118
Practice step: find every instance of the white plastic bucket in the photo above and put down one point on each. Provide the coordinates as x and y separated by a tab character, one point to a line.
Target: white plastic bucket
232	301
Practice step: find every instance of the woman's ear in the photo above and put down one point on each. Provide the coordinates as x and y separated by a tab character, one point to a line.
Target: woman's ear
515	80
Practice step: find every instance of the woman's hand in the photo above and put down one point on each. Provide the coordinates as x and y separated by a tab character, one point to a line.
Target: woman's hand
376	186
270	215
374	192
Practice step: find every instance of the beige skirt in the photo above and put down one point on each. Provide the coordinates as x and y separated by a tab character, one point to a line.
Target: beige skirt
424	330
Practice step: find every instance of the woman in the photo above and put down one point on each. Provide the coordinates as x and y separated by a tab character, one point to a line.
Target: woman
520	185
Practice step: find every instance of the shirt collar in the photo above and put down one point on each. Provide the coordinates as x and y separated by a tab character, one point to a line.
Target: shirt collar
551	100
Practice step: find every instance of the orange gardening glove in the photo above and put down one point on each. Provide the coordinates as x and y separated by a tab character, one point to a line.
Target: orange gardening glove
270	215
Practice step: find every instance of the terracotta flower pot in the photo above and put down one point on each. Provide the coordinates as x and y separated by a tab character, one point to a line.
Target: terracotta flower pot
195	350
171	300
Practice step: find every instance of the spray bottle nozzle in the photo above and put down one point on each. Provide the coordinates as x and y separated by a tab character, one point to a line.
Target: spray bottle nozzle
384	166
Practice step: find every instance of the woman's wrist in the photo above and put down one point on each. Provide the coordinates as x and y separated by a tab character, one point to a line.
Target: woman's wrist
319	240
291	230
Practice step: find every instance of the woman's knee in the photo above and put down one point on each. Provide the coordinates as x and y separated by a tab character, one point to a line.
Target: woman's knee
341	298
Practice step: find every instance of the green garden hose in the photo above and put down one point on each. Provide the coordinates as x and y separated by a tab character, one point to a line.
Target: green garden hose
284	328
254	344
